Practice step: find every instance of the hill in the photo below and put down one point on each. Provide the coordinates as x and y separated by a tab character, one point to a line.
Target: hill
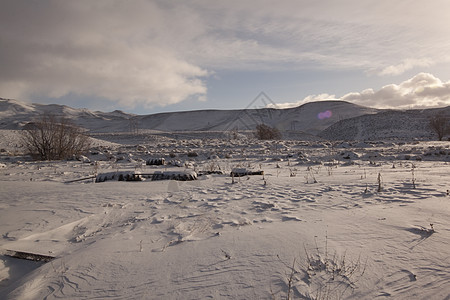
390	124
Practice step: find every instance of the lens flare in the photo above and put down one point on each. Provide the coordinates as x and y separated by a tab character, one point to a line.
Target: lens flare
324	115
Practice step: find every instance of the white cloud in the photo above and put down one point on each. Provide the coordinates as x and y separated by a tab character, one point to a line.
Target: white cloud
422	90
404	66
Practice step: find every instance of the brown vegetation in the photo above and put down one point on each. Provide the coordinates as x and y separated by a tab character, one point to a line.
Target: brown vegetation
264	132
53	138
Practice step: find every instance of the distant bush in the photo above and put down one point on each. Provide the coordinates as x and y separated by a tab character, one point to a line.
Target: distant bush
53	138
440	125
264	132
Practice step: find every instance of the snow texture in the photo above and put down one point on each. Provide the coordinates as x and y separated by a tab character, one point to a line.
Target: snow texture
326	220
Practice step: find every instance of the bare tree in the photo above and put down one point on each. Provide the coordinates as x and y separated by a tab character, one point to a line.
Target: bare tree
52	138
264	132
440	125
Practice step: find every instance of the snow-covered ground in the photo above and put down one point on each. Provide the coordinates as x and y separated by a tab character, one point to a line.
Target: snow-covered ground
325	221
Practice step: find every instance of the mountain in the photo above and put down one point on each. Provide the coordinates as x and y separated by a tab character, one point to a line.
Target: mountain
310	118
331	120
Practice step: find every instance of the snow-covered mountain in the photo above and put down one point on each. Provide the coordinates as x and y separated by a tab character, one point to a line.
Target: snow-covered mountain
310	118
332	120
14	114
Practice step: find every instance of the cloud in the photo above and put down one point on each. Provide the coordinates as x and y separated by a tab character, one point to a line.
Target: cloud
404	66
102	49
390	38
154	52
421	91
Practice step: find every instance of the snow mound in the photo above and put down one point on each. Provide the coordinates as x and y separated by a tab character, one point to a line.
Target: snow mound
239	172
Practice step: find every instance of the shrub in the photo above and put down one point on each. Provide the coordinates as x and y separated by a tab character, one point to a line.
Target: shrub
264	132
54	138
320	275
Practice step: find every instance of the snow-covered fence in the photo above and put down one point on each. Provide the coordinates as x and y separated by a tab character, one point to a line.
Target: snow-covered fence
239	172
119	176
137	176
175	175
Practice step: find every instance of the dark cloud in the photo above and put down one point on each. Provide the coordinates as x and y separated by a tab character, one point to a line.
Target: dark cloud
98	48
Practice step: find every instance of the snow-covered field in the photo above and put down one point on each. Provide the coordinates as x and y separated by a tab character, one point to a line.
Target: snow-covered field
325	221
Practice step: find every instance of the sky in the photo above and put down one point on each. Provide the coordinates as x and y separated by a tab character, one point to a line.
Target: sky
149	56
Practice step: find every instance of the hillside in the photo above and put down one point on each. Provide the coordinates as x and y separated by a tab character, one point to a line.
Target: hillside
391	124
